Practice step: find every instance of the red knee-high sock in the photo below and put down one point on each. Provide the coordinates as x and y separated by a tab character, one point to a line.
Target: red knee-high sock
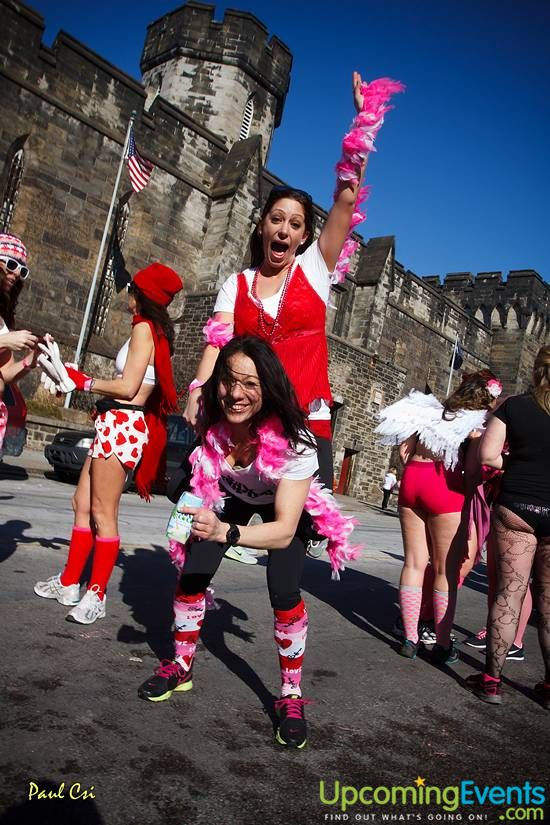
427	606
290	638
105	556
82	541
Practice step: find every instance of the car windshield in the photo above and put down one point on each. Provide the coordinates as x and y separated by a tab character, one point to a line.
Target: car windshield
179	430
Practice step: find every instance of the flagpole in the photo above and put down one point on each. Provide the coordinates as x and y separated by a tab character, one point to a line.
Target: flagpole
452	367
91	291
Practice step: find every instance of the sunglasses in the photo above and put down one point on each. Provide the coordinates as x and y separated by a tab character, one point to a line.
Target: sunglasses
14	266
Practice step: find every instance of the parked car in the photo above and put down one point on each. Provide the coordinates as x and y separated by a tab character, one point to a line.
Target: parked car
69	449
15	437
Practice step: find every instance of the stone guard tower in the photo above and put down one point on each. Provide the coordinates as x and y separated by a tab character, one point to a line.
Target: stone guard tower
225	75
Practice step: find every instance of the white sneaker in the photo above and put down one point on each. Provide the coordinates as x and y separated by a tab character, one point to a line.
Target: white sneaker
315	549
89	608
53	589
246	555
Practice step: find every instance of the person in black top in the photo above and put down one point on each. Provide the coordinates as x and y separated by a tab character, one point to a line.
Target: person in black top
521	526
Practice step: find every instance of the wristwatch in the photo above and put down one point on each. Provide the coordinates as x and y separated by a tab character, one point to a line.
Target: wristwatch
233	536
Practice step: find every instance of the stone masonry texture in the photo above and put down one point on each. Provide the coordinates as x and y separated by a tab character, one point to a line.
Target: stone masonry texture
66	109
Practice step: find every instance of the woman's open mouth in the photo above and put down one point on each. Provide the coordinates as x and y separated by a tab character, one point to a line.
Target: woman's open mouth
278	250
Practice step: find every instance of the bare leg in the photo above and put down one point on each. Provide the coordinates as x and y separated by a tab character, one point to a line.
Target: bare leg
108	477
82	503
415	544
448	539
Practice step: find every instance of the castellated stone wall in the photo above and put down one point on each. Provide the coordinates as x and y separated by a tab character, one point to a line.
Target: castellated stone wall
212	69
67	109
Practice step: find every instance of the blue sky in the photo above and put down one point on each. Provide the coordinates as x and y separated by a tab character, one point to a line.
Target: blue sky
462	171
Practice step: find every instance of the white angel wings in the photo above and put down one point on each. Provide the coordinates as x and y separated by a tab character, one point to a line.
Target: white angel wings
422	414
54	377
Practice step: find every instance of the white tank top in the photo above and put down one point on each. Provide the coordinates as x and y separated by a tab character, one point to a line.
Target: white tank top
120	363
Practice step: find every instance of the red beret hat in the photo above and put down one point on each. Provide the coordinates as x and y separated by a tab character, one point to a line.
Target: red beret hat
159	283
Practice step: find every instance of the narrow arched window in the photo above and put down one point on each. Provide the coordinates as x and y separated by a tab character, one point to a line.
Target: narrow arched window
248	117
11	189
111	272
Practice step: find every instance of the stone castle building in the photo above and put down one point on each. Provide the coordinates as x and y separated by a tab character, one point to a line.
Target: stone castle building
211	97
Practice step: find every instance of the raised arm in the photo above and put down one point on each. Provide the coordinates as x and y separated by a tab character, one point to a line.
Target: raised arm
371	101
333	235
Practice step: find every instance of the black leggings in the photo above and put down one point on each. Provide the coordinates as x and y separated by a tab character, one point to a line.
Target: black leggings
284	567
325	472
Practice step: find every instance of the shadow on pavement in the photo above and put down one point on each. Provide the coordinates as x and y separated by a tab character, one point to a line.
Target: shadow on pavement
54	811
147	586
11	535
213	634
365	601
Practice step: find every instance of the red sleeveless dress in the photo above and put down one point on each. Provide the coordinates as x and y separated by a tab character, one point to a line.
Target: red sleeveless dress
298	337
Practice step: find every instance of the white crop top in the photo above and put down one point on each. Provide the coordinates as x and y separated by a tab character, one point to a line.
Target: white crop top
120	363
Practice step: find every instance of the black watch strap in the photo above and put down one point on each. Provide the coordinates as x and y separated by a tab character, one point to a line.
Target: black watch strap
233	536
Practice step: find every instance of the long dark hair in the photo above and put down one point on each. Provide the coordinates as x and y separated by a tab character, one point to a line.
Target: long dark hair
155	313
277	194
278	397
472	394
541	378
8	302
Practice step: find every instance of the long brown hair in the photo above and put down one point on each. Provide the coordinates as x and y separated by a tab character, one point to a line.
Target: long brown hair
8	302
541	378
473	394
155	313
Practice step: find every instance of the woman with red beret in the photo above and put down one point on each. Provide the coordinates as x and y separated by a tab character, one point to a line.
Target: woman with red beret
130	433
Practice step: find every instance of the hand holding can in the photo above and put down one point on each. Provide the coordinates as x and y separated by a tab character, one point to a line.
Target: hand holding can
180	524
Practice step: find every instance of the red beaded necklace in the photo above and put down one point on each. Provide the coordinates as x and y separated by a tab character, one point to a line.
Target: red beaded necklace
263	323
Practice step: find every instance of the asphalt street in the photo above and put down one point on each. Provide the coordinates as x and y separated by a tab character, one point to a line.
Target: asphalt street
71	713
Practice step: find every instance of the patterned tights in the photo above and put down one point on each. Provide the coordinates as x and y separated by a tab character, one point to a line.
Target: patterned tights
517	551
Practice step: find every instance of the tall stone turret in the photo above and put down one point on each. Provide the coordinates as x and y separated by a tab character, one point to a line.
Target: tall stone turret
226	75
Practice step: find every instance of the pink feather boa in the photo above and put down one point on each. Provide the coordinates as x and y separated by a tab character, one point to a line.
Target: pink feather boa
356	145
271	458
217	333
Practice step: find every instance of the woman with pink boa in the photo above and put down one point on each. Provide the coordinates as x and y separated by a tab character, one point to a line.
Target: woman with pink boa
282	297
256	455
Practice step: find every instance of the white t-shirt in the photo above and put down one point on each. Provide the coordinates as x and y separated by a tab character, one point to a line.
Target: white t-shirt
389	481
246	484
316	271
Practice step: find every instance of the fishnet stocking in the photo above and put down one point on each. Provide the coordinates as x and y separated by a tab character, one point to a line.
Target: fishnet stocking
516	545
541	595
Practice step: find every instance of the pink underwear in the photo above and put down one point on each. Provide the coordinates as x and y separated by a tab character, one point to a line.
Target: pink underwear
428	486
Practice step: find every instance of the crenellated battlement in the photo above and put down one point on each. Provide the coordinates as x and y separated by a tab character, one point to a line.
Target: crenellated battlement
227	75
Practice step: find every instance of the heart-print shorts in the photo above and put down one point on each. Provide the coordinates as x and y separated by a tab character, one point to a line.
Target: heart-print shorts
122	433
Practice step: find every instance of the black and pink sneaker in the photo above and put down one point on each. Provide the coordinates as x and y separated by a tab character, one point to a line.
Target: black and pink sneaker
292	728
169	677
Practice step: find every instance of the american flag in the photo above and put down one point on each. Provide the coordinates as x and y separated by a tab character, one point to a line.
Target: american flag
139	169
